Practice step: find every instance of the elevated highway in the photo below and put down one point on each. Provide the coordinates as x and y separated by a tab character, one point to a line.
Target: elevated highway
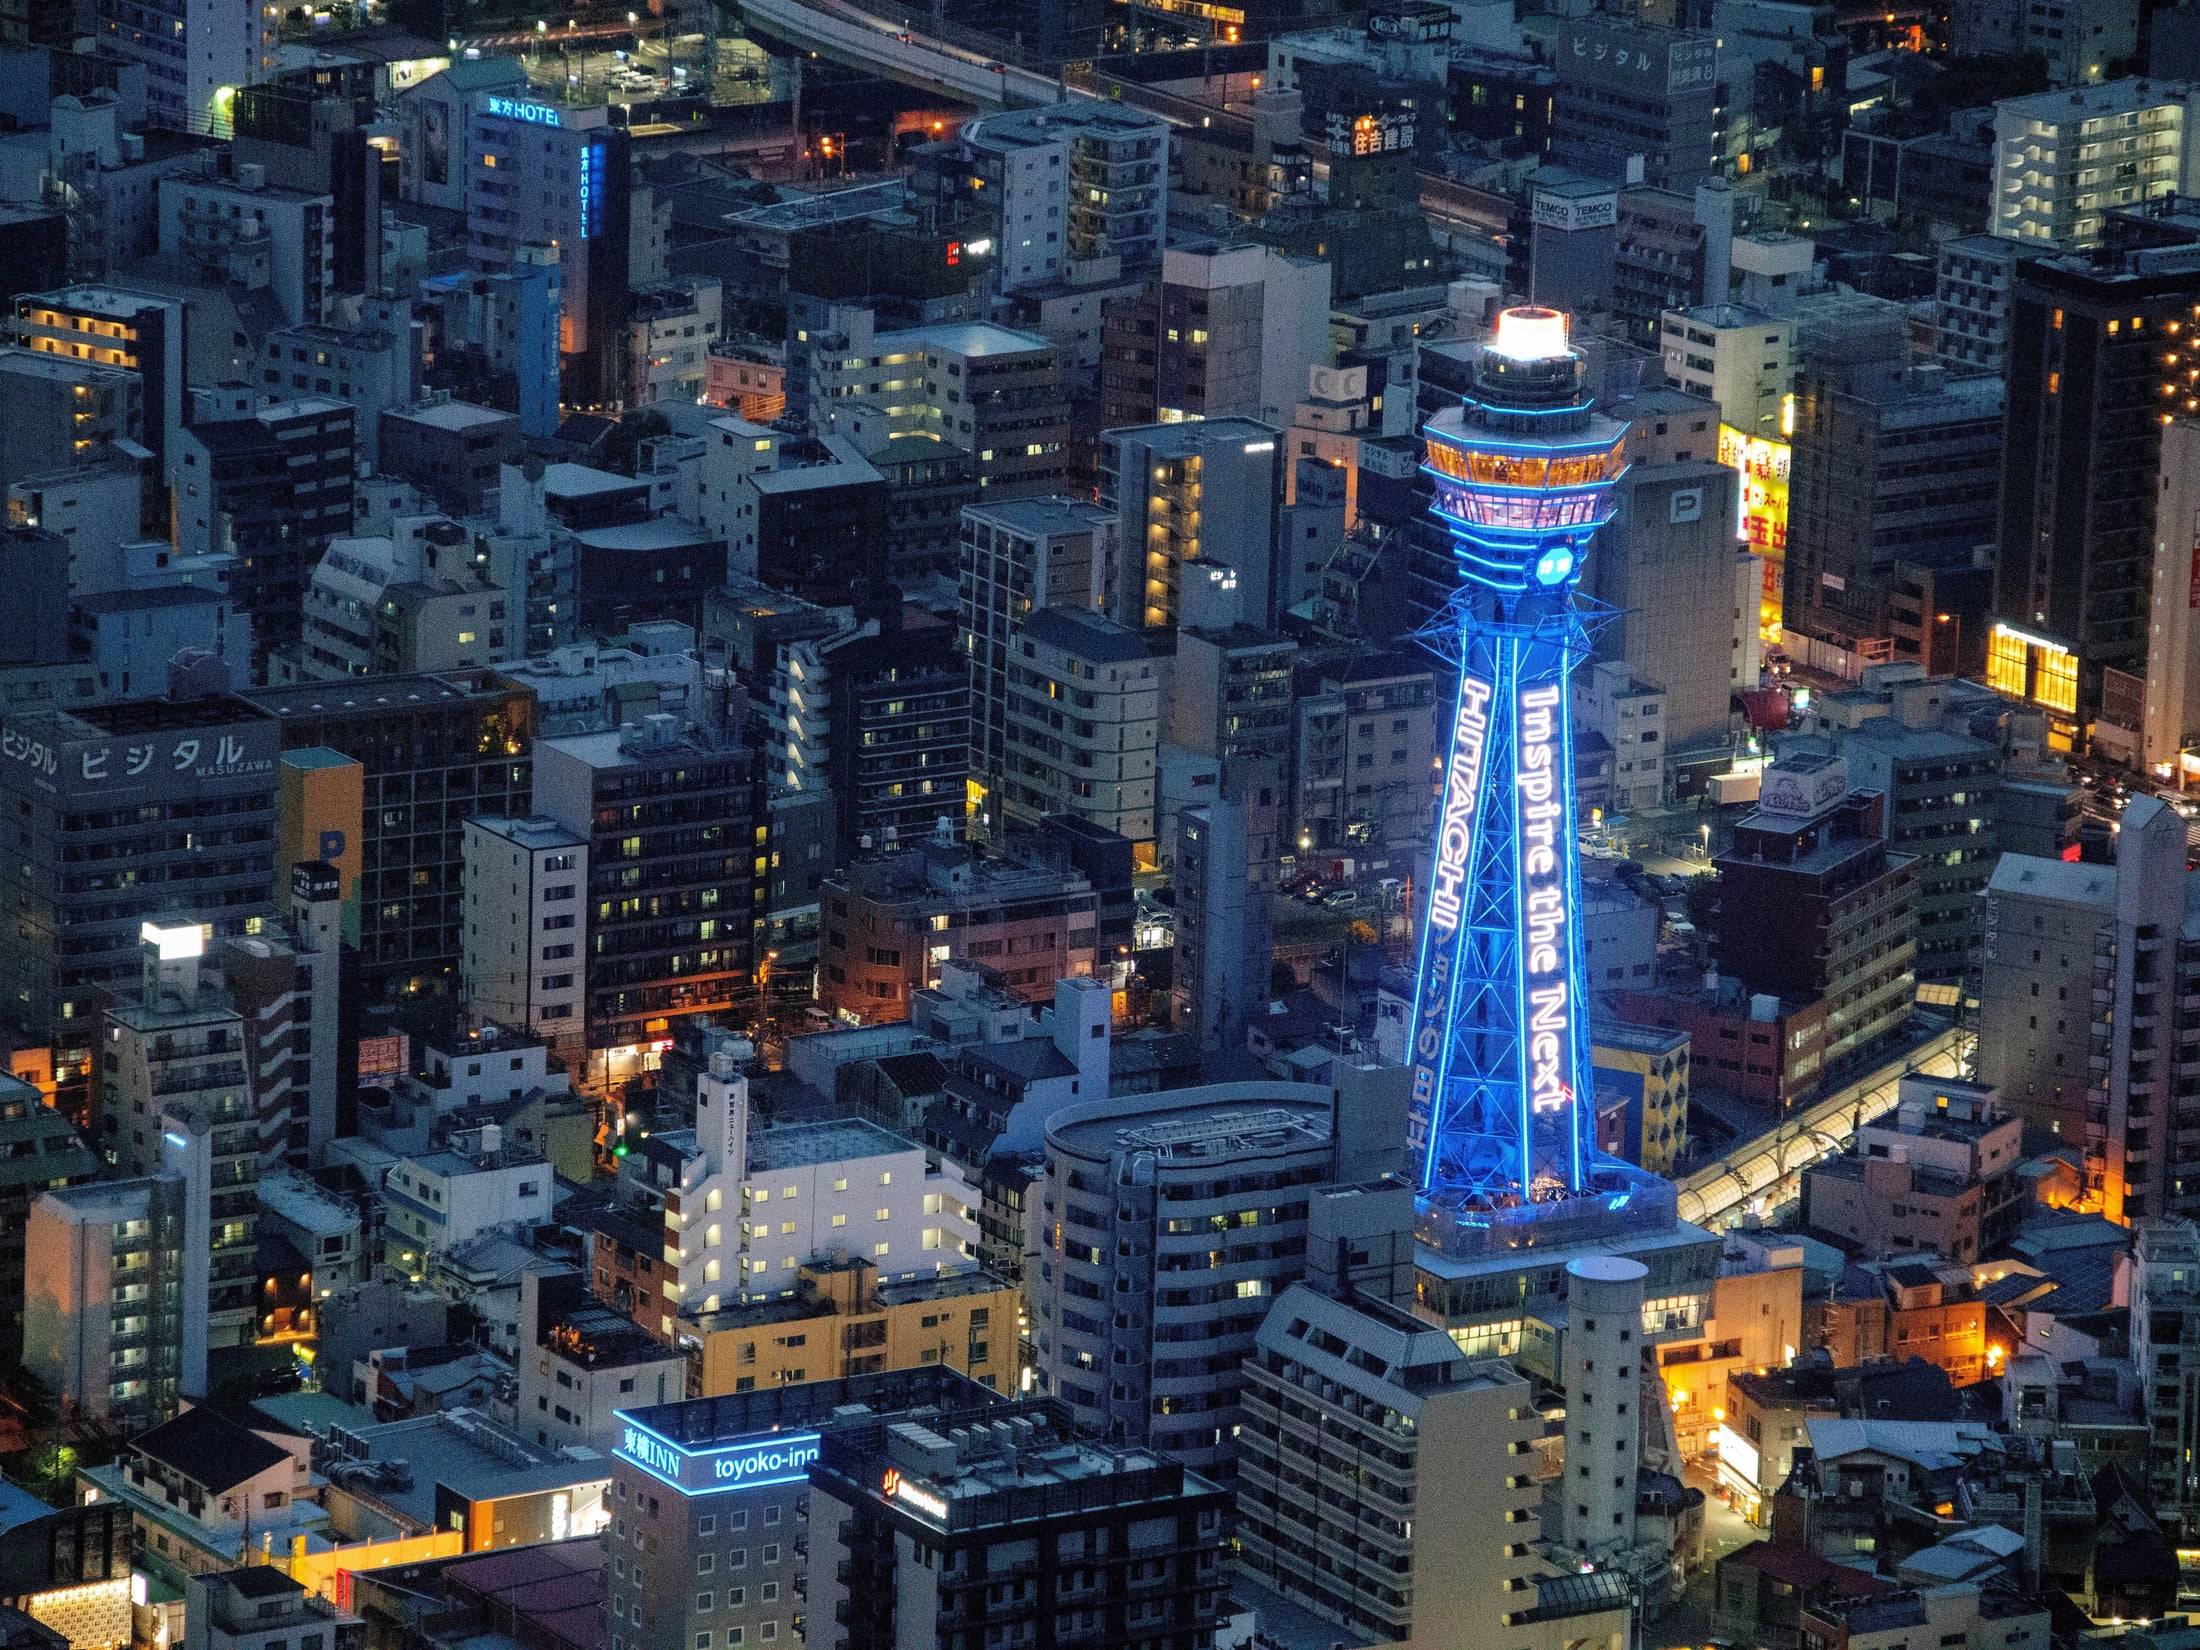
859	39
855	38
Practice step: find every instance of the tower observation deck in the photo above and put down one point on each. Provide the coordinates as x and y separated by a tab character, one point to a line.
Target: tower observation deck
1503	1121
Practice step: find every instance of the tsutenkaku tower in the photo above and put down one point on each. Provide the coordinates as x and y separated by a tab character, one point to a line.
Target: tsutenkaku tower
1503	1109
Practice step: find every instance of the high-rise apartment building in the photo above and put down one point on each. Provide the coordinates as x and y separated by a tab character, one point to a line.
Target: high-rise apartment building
1733	354
1813	903
897	754
2165	1356
223	221
1082	725
674	855
1209	489
526	936
41	1154
1226	330
1365	755
194	58
2044	926
115	1288
1971	302
1020	555
172	1062
1134	1327
2172	720
130	813
985	390
2063	160
1225	850
1073	183
2094	369
120	328
283	982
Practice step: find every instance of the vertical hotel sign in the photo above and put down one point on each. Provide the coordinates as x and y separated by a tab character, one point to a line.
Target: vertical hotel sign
591	182
1448	884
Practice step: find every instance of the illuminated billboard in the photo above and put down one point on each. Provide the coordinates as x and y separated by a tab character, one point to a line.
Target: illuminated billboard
747	1463
1764	466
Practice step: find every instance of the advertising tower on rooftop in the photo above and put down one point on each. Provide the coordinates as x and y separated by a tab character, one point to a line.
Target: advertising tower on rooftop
1502	1135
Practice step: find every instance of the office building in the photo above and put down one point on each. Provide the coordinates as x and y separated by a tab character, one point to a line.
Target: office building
115	1273
1668	565
1160	1364
526	932
2051	186
673	860
540	173
1898	472
433	751
1627	90
261	1608
1073	183
1160	481
2092	376
1082	726
1813	903
272	489
1732	354
1971	302
885	1493
175	797
118	328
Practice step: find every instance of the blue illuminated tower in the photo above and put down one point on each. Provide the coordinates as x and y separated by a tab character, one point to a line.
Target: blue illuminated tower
1503	1110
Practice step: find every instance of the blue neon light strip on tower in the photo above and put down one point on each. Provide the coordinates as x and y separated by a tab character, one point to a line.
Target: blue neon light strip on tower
1503	1113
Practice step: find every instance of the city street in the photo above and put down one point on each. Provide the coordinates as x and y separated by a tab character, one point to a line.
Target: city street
1688	1623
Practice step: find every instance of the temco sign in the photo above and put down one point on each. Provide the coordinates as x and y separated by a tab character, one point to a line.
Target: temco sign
710	1469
